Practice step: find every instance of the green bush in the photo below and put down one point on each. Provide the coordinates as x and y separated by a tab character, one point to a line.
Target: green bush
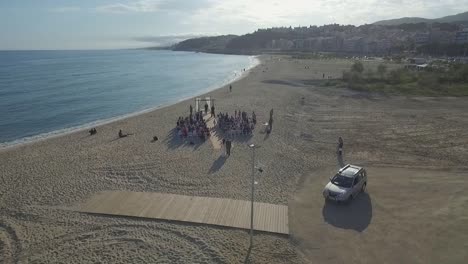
357	67
382	69
438	81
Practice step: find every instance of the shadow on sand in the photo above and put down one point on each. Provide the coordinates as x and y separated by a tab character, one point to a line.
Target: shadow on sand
340	160
356	215
218	164
173	141
284	82
239	139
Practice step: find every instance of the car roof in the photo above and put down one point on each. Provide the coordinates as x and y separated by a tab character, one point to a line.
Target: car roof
349	170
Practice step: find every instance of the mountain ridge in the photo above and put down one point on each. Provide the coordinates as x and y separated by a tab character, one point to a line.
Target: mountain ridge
414	20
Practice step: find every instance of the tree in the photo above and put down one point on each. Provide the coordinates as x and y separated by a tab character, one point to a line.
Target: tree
357	67
382	69
369	74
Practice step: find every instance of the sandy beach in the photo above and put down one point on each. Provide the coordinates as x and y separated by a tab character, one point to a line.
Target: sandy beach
415	149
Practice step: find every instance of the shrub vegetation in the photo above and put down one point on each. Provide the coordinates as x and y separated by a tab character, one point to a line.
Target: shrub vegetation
435	80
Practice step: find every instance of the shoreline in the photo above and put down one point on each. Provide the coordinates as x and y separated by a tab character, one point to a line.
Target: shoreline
256	61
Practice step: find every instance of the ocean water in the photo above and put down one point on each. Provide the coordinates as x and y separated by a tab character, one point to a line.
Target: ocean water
44	93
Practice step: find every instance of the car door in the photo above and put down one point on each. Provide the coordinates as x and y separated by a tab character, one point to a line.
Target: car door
357	184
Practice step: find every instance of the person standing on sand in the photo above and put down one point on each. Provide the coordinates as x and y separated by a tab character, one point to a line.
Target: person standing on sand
228	147
230	88
340	146
224	146
212	111
206	108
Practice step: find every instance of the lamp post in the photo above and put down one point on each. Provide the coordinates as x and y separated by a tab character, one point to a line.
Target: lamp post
253	147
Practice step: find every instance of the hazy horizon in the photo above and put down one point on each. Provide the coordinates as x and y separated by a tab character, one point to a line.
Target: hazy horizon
124	24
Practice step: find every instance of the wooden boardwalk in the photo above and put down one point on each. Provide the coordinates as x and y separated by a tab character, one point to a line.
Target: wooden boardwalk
213	211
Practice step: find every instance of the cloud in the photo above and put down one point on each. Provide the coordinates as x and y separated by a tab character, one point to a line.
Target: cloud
131	6
65	9
161	41
267	13
154	6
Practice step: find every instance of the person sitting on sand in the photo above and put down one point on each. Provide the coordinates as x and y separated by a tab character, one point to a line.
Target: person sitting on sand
121	135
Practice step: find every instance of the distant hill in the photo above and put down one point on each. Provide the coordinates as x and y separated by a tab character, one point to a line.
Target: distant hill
205	44
454	18
388	37
462	17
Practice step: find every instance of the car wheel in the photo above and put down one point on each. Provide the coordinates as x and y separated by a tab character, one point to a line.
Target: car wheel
363	189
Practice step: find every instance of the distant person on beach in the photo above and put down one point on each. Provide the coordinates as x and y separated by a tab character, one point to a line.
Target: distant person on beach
340	145
93	131
121	134
254	118
228	147
206	108
323	76
191	110
271	113
212	111
230	88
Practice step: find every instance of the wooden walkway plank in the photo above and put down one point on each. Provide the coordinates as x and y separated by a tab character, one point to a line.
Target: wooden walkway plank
206	210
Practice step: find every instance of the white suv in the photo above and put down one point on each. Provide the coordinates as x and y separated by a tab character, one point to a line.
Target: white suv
346	184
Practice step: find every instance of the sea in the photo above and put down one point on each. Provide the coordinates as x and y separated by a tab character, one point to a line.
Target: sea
48	93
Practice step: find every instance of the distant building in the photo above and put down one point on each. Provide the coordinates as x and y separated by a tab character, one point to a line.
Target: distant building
441	36
421	39
281	44
418	61
354	44
461	37
298	44
330	43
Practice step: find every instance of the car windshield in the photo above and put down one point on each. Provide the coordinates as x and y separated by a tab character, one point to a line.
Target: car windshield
342	181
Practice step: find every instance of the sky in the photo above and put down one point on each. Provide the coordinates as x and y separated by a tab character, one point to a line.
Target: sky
114	24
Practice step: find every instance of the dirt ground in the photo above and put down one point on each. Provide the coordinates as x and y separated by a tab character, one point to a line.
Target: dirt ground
415	149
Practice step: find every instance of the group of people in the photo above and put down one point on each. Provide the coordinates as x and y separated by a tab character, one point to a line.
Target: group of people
93	131
239	122
193	125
